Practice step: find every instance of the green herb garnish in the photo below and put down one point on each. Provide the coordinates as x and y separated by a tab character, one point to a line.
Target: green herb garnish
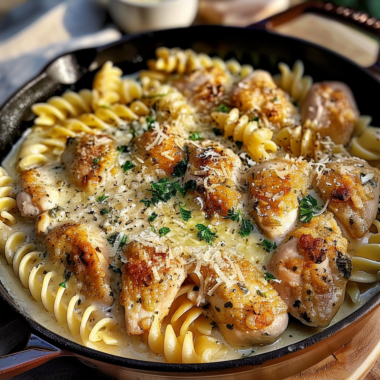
256	118
268	246
112	239
122	148
269	276
180	169
195	137
204	233
66	277
308	209
260	294
150	122
235	216
162	191
223	108
128	166
105	211
185	214
96	161
152	217
163	231
102	198
246	227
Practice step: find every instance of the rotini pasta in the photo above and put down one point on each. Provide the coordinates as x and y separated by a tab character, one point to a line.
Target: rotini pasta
367	144
7	201
187	337
257	140
66	303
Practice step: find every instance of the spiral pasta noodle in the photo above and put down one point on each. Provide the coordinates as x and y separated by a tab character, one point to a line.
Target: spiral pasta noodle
367	144
59	108
66	304
257	140
186	61
365	264
187	337
293	81
7	201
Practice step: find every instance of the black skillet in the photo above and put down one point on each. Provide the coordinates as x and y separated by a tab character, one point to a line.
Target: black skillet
255	45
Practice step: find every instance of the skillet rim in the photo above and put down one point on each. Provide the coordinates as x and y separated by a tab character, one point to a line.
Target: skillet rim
250	361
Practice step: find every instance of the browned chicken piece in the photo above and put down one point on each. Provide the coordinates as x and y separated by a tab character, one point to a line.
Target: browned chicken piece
90	160
351	186
248	312
214	168
258	95
84	254
332	110
204	88
276	186
38	192
150	282
313	267
159	150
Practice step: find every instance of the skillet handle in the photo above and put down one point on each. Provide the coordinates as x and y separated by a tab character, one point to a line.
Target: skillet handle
340	13
37	352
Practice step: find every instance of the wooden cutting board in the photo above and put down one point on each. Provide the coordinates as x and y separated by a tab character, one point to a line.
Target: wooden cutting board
358	359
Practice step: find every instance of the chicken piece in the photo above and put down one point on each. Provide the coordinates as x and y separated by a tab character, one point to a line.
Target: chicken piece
84	254
332	109
159	150
313	266
258	95
247	313
351	186
38	192
204	88
90	160
149	286
215	170
276	186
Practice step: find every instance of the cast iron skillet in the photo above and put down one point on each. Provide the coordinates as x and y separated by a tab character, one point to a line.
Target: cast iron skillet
255	45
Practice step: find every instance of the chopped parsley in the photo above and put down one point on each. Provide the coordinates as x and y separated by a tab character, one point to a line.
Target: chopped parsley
269	276
150	122
122	148
112	239
102	198
223	108
204	233
185	214
308	209
235	216
217	131
96	161
275	99
256	118
246	227
105	211
260	293
195	136
180	169
66	277
268	245
152	217
163	191
163	231
128	166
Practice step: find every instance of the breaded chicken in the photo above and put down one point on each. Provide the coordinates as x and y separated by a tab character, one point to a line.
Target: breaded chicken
204	88
159	150
332	109
247	313
215	169
84	254
150	282
313	267
89	160
38	192
258	95
276	186
352	187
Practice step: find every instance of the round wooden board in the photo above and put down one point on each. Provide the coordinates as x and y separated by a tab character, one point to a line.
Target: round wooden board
357	359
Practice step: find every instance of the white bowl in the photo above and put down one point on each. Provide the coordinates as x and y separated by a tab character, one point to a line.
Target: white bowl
134	16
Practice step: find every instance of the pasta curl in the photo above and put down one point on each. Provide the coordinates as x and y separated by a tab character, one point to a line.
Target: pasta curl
292	80
257	140
7	201
187	337
59	298
186	61
367	144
